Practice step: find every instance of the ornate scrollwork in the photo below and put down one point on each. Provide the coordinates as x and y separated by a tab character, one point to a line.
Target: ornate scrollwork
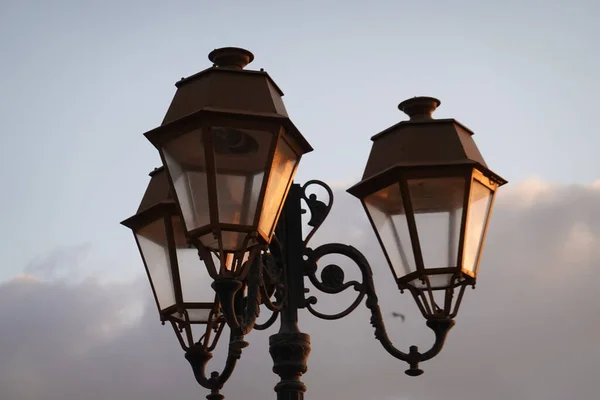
199	356
266	277
241	311
440	326
271	286
319	210
332	282
332	277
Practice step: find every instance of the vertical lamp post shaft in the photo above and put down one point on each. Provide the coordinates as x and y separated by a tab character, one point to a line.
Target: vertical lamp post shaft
289	347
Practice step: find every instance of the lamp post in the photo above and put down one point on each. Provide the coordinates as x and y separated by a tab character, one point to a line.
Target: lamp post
225	198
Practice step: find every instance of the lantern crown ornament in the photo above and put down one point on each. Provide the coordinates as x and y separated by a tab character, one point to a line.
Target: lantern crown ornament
231	153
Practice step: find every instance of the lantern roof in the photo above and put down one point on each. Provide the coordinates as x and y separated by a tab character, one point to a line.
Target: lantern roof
158	190
157	201
423	141
227	87
228	90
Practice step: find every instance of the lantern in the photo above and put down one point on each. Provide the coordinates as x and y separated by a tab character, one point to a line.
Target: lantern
429	195
179	281
231	153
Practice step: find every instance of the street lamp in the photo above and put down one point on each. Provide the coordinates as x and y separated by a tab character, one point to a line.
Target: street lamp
179	282
429	195
230	153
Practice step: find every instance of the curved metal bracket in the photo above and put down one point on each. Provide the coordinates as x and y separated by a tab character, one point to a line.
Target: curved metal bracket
269	274
263	281
199	356
333	282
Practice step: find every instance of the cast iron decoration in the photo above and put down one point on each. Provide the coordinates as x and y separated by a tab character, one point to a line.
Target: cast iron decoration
226	199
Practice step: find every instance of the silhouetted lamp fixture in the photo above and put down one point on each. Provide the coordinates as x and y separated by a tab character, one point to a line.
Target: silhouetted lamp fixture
230	152
429	194
179	282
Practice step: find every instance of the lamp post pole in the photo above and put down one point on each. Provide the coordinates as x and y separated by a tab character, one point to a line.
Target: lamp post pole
289	347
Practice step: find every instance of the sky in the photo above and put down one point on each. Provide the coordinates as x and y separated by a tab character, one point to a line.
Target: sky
80	81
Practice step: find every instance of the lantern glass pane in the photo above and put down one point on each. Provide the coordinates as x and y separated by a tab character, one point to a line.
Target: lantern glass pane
388	215
280	177
210	241
152	240
231	241
437	281
241	158
186	163
480	202
235	241
194	279
438	210
199	314
194	315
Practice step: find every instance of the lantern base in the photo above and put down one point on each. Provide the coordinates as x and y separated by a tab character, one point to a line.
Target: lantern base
414	372
215	396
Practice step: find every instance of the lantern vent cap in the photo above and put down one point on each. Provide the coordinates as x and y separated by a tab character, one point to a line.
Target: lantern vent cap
419	108
231	57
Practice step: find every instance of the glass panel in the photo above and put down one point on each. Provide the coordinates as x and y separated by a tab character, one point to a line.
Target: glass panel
199	314
152	240
195	315
439	281
234	241
194	278
479	209
241	157
282	172
386	209
210	241
438	208
187	166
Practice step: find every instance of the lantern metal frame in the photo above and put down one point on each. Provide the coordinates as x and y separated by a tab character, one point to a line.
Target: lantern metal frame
228	96
205	121
158	205
425	297
166	211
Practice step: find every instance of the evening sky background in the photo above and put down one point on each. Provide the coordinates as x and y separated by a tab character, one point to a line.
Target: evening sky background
80	81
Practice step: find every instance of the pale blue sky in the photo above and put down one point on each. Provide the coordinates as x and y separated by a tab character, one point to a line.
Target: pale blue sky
80	81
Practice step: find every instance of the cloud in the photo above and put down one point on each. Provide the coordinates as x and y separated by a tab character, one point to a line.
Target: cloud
527	332
60	262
